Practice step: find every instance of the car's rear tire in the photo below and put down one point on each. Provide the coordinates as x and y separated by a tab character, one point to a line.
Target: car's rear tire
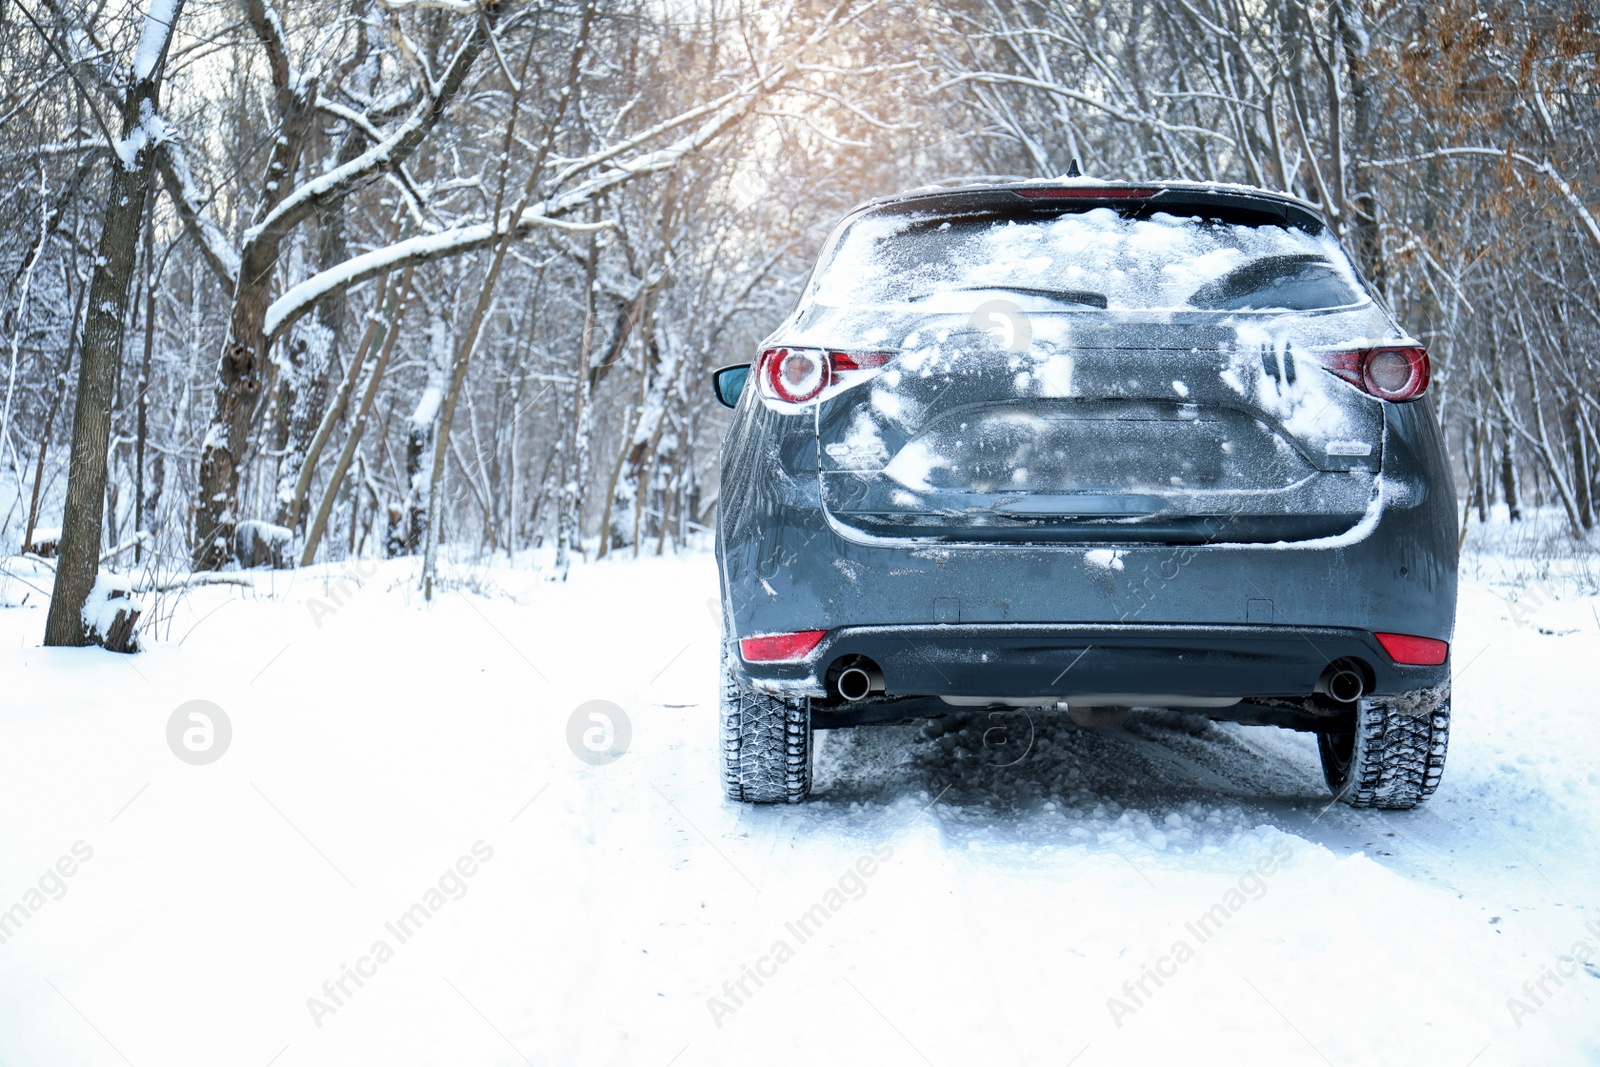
1395	756
766	743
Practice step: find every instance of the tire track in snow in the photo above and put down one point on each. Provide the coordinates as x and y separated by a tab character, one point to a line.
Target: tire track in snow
926	841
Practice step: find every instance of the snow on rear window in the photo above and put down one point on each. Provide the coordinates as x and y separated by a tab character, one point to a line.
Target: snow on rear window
1086	260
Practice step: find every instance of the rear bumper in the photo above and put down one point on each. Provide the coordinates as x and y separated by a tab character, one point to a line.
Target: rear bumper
1063	662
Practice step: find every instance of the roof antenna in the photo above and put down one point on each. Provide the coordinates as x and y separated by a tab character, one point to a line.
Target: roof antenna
1072	169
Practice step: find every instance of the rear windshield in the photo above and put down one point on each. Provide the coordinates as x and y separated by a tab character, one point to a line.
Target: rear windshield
1086	261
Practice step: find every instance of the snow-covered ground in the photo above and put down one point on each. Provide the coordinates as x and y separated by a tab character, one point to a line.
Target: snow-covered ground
955	894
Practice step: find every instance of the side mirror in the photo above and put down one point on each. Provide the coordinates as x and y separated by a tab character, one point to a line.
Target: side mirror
728	383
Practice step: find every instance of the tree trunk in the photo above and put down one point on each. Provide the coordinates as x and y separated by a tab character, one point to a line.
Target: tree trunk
243	367
383	304
152	499
1480	464
1362	209
142	431
358	424
1582	463
419	442
1508	470
607	533
79	561
1506	433
312	353
569	520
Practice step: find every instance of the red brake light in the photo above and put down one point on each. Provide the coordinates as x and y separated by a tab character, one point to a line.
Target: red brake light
1085	192
1386	373
776	648
843	361
796	375
1415	651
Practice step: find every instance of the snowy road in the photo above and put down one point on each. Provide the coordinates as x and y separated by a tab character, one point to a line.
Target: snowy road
400	860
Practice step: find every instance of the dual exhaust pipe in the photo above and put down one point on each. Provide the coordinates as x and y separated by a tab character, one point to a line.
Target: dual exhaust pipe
1342	680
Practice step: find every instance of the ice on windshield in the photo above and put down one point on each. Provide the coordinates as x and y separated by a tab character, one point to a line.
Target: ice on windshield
1164	262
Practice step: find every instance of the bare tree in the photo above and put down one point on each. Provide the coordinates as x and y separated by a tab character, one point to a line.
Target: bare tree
142	129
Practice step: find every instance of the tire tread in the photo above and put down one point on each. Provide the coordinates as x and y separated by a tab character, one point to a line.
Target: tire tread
766	744
1396	754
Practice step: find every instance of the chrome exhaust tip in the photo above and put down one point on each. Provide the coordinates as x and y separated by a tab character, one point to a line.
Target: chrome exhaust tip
1343	682
859	682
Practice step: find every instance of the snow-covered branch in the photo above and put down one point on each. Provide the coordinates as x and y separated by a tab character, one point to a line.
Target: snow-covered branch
1122	114
389	152
462	7
1544	167
215	248
268	27
154	38
718	116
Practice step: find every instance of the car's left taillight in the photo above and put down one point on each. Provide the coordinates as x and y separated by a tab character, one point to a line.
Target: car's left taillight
794	375
1397	373
798	375
781	648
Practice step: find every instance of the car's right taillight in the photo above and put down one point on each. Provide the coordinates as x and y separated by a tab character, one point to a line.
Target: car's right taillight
1414	651
1399	373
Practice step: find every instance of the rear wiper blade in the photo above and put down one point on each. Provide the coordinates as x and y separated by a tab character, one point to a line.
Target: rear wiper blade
1074	296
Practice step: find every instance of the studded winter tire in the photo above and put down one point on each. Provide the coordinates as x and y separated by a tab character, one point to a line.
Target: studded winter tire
1395	756
766	743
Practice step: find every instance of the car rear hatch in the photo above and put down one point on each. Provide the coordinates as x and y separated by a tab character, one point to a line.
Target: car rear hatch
1114	374
1100	432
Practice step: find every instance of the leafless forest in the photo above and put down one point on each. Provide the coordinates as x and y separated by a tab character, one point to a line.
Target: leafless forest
287	283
